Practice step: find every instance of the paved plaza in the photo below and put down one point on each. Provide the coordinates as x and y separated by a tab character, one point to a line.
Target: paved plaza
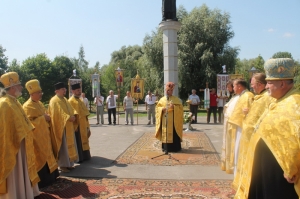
107	142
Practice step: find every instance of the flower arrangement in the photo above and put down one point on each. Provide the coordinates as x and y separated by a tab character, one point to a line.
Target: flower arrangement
188	117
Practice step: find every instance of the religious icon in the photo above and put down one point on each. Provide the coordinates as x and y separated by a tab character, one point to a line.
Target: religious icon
119	77
137	88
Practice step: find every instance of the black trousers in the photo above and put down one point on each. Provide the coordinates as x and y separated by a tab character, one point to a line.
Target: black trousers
220	115
113	112
267	180
194	110
212	109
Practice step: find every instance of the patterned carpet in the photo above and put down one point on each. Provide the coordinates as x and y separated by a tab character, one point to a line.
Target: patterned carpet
196	150
137	188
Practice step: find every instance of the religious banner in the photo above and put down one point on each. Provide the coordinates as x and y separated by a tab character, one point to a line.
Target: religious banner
119	77
222	80
95	84
137	87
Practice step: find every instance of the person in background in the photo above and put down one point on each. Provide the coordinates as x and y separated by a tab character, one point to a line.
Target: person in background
45	162
85	101
111	104
221	103
99	102
128	107
194	102
212	106
18	174
150	101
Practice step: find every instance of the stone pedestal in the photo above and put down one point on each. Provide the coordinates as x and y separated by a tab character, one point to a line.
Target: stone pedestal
170	29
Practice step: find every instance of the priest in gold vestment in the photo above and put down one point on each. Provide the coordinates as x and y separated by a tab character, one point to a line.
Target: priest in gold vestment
62	125
272	167
45	162
169	121
18	174
227	155
260	102
238	115
81	124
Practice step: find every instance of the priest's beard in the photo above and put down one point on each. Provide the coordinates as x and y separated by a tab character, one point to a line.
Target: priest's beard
18	93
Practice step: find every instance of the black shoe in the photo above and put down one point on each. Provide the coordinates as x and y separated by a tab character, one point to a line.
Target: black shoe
109	123
97	123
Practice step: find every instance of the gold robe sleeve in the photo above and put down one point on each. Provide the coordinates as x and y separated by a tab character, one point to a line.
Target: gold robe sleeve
60	112
81	121
14	127
41	135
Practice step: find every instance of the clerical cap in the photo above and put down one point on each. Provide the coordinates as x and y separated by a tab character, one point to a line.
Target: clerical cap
59	85
170	86
10	79
280	68
75	86
33	86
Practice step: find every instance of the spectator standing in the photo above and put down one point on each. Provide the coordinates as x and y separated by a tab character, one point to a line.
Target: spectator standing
99	102
212	106
150	101
111	104
194	102
128	107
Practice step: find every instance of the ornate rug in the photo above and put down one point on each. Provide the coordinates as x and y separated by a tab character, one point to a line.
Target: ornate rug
137	188
196	150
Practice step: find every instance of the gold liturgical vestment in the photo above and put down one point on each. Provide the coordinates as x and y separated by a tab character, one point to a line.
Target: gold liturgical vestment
14	127
175	116
259	105
81	113
60	112
236	120
279	128
41	135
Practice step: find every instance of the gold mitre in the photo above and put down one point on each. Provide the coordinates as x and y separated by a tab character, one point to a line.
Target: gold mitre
10	79
280	68
33	86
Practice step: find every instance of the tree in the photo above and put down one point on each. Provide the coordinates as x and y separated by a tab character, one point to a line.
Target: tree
3	61
203	52
282	55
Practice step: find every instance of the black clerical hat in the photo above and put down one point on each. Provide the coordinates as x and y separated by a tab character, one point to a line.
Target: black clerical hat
75	86
59	85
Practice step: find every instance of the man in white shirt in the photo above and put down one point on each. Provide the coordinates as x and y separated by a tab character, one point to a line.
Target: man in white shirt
195	101
111	104
85	101
150	107
99	102
128	107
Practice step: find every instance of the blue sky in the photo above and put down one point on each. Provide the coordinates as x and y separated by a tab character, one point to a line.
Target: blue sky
60	27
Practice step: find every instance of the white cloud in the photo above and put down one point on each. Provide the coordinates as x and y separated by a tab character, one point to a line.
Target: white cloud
271	30
287	34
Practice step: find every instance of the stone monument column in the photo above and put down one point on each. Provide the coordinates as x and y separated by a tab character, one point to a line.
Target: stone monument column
170	29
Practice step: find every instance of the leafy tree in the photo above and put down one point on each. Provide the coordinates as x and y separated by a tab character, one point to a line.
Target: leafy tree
3	61
203	52
282	55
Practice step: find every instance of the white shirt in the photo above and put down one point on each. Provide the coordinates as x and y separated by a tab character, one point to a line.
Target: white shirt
108	101
86	102
150	99
99	103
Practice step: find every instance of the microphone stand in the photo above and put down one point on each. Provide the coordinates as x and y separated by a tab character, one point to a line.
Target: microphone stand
166	152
